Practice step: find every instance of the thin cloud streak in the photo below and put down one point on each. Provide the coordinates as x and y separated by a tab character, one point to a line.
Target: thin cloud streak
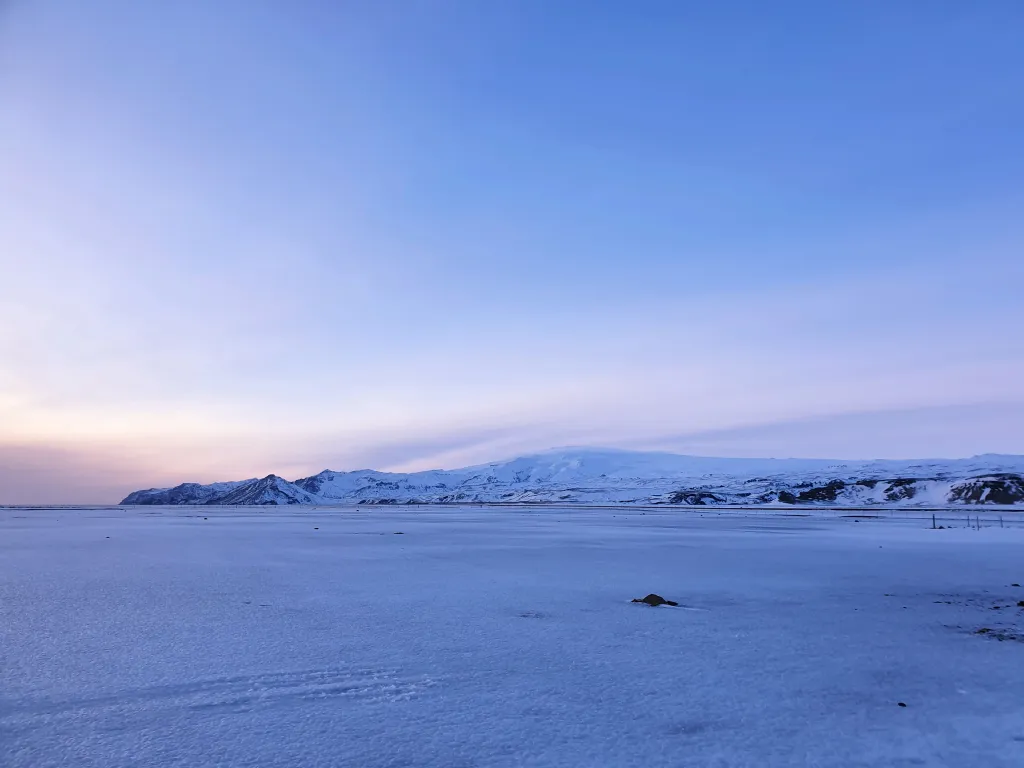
41	474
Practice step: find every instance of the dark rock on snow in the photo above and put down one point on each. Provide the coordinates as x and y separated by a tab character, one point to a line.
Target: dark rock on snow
653	599
827	492
1000	488
695	498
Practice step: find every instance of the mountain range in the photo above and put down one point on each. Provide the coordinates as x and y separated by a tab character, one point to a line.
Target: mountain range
606	476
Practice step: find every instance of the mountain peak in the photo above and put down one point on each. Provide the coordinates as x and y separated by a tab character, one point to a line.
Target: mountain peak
585	475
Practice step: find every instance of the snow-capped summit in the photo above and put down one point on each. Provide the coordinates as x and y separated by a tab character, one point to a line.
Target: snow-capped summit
603	476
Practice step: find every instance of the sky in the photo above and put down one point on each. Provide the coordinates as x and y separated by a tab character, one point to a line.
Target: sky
250	236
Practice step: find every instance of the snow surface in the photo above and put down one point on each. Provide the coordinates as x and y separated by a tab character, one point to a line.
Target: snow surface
603	476
505	636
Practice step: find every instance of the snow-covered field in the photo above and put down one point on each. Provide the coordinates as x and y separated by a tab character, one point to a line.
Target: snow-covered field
501	637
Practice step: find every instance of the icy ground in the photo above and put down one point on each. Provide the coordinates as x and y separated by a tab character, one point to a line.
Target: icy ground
505	637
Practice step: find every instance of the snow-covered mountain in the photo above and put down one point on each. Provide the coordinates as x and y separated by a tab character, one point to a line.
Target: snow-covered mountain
601	476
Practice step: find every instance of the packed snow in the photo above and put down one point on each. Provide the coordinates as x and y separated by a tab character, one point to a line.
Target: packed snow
603	476
458	636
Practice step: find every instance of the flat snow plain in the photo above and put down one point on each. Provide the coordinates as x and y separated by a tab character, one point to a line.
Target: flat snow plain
501	637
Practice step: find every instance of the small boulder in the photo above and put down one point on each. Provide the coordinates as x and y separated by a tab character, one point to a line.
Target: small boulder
653	600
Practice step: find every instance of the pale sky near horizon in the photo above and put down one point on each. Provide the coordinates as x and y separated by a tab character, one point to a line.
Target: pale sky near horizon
249	237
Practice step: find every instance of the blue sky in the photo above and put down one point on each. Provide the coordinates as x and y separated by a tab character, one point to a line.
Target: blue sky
250	237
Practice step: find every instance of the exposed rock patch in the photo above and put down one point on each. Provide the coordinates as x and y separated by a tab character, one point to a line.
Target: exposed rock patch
827	492
1004	488
654	600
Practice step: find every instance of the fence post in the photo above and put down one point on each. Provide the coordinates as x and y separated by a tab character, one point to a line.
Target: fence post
933	521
